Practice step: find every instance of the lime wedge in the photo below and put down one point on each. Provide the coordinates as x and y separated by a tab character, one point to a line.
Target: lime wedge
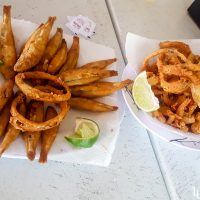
86	133
143	95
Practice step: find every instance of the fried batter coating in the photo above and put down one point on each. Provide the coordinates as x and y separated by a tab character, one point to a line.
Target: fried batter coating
59	59
98	89
35	47
35	113
90	105
6	91
53	45
48	136
100	64
72	56
12	132
180	46
7	45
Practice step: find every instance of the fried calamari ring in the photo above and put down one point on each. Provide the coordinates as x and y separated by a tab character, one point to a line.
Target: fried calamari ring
163	51
37	94
20	122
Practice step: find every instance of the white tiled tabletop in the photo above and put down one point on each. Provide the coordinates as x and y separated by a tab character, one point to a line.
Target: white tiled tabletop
163	19
134	172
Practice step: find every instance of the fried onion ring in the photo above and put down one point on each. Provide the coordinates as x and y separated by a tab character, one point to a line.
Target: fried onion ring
37	94
20	122
163	51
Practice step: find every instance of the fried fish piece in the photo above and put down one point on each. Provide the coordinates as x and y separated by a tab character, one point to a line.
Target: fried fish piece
90	105
48	136
35	113
34	49
98	89
5	116
59	59
82	76
53	45
8	54
72	56
12	132
29	40
100	64
6	91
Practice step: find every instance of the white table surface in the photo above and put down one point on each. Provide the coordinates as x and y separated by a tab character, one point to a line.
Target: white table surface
163	19
134	172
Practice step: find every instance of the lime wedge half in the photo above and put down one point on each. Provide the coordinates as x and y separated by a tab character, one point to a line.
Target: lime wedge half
143	95
86	133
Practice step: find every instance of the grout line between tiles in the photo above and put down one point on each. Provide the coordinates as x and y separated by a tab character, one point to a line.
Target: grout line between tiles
124	57
171	193
115	29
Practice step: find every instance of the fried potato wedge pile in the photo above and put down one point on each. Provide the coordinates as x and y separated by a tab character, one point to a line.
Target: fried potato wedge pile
173	72
46	71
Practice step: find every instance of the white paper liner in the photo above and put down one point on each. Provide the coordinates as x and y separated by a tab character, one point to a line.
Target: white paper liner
109	123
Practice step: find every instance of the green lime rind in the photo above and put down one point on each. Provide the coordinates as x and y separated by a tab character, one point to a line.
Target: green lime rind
86	133
82	142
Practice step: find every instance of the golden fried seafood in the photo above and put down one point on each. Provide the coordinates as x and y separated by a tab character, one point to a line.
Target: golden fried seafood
174	76
98	89
100	64
59	59
83	76
48	136
178	70
180	46
90	105
35	113
163	52
29	40
12	132
6	91
196	125
72	56
20	122
52	46
49	89
5	116
7	45
182	107
35	47
195	90
35	93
